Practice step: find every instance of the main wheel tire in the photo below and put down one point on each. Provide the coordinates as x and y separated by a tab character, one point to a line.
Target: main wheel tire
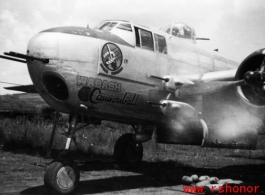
128	153
62	177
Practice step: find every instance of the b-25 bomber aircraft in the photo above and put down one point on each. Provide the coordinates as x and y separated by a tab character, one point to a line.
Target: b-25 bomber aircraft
158	81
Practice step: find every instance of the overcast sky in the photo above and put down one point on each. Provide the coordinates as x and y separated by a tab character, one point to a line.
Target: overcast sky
235	27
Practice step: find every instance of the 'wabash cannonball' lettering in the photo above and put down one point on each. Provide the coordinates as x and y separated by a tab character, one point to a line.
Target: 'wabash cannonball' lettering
96	96
98	83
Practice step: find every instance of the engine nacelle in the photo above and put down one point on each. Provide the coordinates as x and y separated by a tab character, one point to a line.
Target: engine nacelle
252	95
182	124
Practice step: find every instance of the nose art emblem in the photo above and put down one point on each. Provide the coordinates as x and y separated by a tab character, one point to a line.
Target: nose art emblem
111	57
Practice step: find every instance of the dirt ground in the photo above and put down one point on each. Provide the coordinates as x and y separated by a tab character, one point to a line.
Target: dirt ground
22	173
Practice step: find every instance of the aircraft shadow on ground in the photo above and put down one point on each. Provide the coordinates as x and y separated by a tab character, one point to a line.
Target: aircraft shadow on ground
154	174
105	185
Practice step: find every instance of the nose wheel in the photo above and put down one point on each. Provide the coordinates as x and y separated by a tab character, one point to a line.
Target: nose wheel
62	177
128	153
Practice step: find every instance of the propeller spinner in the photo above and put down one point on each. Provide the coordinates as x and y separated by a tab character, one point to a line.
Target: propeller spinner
256	79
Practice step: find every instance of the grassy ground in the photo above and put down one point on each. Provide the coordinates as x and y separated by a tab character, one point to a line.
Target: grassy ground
95	140
21	103
23	174
35	134
166	163
20	133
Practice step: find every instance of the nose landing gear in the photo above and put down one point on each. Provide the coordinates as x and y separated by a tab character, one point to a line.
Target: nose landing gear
62	175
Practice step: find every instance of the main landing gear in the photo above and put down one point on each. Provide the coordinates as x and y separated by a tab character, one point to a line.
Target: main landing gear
127	152
62	175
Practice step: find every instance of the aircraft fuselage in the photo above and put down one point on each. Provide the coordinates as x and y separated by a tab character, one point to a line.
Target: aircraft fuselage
99	74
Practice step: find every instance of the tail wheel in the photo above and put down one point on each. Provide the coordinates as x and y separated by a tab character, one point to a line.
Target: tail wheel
128	153
62	177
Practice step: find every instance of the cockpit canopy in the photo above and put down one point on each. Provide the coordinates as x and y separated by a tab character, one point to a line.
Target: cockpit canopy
180	30
121	28
109	25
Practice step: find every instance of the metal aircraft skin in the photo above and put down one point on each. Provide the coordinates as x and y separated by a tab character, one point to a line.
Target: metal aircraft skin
151	79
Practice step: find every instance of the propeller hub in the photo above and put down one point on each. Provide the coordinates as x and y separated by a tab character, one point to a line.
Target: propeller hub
254	78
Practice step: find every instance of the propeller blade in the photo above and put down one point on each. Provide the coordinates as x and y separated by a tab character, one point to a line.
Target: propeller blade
262	67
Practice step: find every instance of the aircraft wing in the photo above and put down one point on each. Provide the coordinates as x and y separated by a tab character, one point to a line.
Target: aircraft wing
210	82
23	88
224	75
193	85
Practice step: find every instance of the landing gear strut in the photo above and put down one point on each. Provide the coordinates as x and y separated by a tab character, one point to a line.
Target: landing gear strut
62	175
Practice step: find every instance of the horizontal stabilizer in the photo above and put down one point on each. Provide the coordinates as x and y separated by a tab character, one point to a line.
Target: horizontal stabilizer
23	88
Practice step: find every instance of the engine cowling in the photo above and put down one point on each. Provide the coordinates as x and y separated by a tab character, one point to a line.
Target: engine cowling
181	124
253	94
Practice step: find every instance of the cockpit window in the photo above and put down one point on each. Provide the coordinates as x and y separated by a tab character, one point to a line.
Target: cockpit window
124	26
102	25
112	25
160	43
107	26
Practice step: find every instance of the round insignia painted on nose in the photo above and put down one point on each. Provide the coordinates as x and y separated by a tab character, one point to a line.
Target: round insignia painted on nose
111	57
83	93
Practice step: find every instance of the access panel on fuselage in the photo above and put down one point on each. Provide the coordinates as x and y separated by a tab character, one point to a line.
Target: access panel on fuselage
128	63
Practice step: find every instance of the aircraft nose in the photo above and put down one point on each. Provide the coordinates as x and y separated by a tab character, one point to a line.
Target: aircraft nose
70	50
46	76
44	45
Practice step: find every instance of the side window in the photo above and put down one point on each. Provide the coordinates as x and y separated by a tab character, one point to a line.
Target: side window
160	43
144	39
147	40
137	37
